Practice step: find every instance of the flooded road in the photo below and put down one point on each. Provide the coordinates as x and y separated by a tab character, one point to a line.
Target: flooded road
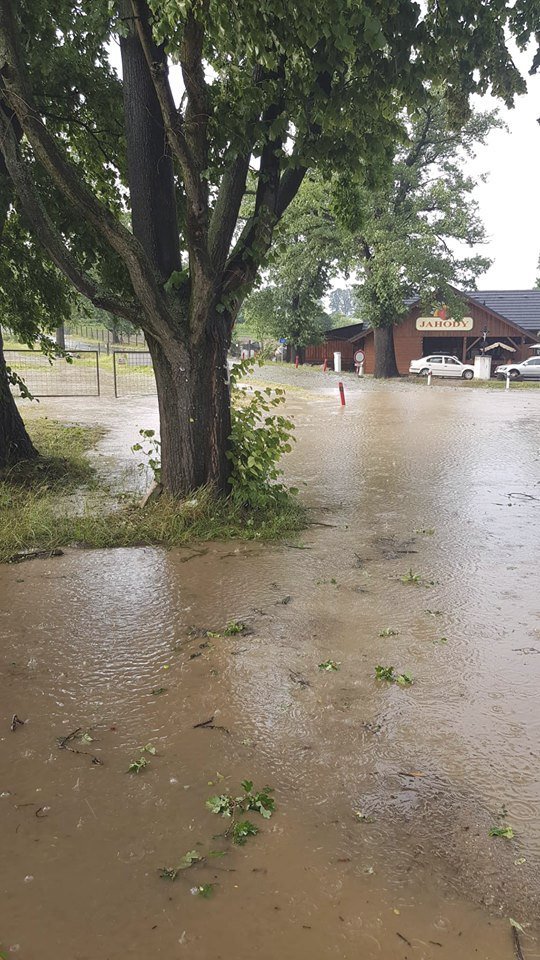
385	794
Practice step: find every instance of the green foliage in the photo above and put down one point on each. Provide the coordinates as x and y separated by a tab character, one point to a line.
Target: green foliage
136	766
407	228
151	450
34	295
187	861
329	665
259	439
384	673
233	628
506	832
389	632
232	807
204	890
221	804
388	674
411	578
308	252
242	830
262	802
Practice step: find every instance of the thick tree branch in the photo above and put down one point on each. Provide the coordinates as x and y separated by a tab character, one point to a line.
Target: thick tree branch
47	234
149	162
289	185
274	194
226	210
197	107
187	140
17	93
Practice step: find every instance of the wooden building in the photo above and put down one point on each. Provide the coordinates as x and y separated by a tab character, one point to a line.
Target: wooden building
504	323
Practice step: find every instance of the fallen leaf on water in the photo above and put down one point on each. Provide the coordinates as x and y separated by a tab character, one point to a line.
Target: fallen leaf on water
505	832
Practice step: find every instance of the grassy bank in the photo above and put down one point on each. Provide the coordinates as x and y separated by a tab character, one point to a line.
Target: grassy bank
58	501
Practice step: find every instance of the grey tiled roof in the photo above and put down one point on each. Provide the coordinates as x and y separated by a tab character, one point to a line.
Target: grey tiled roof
519	306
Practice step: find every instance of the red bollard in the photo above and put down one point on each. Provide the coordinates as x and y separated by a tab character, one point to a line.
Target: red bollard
341	393
243	355
296	361
325	365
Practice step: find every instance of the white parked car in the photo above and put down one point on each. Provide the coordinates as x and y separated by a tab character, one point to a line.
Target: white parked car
528	370
440	365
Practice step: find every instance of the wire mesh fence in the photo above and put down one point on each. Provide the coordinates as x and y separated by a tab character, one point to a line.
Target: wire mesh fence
133	374
73	376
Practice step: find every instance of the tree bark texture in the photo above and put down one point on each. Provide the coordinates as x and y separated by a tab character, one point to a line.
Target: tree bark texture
15	444
150	167
194	412
385	354
61	337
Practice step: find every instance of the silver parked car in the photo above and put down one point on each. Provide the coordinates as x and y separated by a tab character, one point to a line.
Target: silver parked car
527	370
441	365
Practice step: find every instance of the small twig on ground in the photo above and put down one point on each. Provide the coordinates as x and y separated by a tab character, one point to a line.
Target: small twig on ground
15	722
34	555
71	736
517	945
401	937
210	725
318	523
299	679
64	741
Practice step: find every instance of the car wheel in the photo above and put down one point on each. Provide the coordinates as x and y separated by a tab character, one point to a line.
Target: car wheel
467	374
424	372
513	374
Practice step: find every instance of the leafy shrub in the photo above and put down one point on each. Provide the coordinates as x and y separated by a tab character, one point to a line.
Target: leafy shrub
259	438
150	447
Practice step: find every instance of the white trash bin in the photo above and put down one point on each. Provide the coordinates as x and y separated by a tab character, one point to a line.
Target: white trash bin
337	362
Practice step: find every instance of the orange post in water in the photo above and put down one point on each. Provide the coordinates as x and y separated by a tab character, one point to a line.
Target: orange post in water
341	393
325	365
296	361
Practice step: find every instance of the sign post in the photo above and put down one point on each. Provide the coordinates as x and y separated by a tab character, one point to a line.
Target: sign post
359	358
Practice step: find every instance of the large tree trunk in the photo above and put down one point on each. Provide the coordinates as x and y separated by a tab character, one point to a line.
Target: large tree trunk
15	444
385	354
194	411
61	337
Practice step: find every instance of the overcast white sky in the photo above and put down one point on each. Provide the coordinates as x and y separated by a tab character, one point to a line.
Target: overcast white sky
510	200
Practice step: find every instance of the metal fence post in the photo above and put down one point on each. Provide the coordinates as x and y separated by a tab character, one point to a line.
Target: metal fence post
97	375
114	374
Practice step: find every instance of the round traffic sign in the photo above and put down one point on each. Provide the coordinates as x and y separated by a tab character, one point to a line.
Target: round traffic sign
359	356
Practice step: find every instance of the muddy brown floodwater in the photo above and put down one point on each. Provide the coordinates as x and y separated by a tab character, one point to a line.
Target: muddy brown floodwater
385	795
